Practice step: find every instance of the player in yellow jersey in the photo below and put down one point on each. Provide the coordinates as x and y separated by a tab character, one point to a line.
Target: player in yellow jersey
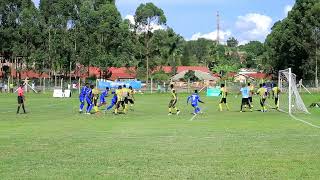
251	88
95	93
120	99
125	94
262	92
173	101
275	95
131	97
223	94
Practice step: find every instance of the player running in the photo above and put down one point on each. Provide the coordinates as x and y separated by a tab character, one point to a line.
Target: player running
245	92
95	93
120	100
251	87
21	99
173	101
262	92
131	98
223	94
82	96
195	99
89	98
103	96
275	95
125	95
113	101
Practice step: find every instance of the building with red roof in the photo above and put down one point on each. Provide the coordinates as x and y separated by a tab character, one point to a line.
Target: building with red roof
165	69
259	75
168	69
122	73
28	74
193	68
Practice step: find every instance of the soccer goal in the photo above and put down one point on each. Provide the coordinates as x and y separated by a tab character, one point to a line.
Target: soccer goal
290	100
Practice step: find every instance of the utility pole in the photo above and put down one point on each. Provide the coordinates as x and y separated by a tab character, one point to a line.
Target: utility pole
218	28
315	34
218	35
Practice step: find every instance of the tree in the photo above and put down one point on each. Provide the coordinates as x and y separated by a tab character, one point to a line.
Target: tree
190	75
165	48
232	42
146	17
160	76
290	43
254	51
199	52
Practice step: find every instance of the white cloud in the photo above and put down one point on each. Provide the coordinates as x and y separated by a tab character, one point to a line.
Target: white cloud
130	18
287	9
154	27
223	35
36	3
243	42
253	26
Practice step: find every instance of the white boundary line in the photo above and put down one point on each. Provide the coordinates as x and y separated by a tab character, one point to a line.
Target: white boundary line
194	116
297	119
306	122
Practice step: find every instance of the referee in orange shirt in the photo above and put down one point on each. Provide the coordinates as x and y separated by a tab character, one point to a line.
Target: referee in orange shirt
21	99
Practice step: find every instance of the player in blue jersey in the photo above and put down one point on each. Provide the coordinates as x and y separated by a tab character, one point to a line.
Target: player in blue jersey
103	96
113	101
195	99
82	96
245	92
89	99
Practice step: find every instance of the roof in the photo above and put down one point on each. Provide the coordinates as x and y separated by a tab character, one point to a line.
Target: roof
193	68
122	73
258	75
168	69
29	74
231	74
94	71
254	75
199	74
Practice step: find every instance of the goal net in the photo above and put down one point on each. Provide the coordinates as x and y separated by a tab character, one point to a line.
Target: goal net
290	100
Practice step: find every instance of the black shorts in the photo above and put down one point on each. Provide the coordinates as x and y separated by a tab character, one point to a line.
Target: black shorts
126	100
119	103
172	103
250	99
20	100
223	100
245	101
130	101
263	101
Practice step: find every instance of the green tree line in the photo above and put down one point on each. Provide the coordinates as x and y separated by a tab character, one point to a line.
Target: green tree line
57	35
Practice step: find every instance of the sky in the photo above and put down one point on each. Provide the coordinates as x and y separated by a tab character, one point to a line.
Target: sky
246	20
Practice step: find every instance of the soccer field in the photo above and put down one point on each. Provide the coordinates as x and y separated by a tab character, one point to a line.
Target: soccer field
53	141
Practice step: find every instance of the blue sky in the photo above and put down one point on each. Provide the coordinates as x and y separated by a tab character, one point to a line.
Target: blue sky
244	19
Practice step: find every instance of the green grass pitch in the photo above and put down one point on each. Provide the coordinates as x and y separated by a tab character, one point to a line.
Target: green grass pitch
53	141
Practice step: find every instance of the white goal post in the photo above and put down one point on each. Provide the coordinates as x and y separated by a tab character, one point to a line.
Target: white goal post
290	100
